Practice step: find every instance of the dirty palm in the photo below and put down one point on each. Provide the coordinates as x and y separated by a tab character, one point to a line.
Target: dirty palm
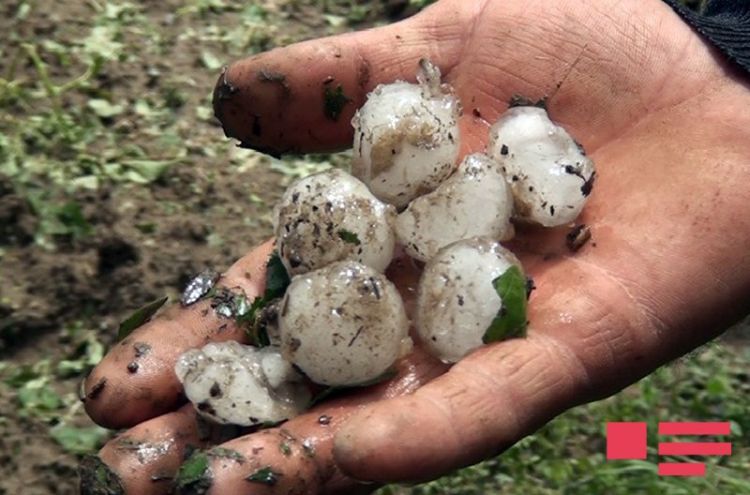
622	77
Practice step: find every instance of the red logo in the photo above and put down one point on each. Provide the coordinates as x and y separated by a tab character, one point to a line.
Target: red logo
628	440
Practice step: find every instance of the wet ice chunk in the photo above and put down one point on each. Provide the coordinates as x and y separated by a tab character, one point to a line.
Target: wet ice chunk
474	201
342	325
406	137
332	216
457	301
231	383
550	175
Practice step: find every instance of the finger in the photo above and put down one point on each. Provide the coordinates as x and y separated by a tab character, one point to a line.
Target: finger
301	98
300	452
136	381
145	459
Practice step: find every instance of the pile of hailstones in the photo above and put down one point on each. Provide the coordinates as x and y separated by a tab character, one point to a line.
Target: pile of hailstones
341	322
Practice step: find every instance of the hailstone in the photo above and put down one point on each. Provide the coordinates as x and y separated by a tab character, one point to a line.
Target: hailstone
406	137
550	175
474	201
331	216
343	324
456	300
231	383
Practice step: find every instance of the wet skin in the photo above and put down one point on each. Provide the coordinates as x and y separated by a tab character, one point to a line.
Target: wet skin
664	118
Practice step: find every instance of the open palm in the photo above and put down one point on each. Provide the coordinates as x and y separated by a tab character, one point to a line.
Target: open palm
665	121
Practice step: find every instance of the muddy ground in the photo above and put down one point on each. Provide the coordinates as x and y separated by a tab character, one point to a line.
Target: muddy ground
106	206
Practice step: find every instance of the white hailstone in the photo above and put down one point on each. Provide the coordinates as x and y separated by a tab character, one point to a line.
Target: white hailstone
549	173
406	137
474	201
457	301
342	325
332	216
231	383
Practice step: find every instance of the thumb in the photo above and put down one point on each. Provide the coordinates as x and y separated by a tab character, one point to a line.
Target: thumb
301	98
587	340
477	410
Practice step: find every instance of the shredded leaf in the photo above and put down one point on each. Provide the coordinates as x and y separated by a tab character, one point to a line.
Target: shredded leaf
285	449
139	317
229	304
79	440
277	280
37	397
71	216
266	476
511	319
194	475
349	237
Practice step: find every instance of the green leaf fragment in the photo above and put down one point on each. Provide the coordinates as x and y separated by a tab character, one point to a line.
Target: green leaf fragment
24	374
285	449
87	355
210	61
227	303
79	440
242	306
349	237
266	476
194	475
277	279
104	109
511	319
37	396
145	171
139	317
71	217
334	101
258	335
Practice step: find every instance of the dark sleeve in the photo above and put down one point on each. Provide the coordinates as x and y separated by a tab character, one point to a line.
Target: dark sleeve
725	23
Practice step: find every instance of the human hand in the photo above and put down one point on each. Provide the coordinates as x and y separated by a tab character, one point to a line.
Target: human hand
665	121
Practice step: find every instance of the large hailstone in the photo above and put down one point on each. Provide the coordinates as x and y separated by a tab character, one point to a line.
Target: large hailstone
549	173
231	383
474	201
406	137
344	324
457	301
332	216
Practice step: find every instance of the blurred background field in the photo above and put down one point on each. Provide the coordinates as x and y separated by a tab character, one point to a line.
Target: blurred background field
117	185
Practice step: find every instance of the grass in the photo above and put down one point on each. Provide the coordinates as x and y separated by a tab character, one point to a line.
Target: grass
567	456
64	133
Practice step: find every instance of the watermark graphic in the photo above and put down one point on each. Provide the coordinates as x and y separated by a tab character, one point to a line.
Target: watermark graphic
629	440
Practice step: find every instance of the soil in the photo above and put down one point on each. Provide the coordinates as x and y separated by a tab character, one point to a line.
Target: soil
146	240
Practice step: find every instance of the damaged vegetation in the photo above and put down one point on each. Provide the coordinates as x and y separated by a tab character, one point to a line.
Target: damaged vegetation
116	187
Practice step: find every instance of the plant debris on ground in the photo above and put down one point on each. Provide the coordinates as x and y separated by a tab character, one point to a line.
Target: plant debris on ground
117	187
